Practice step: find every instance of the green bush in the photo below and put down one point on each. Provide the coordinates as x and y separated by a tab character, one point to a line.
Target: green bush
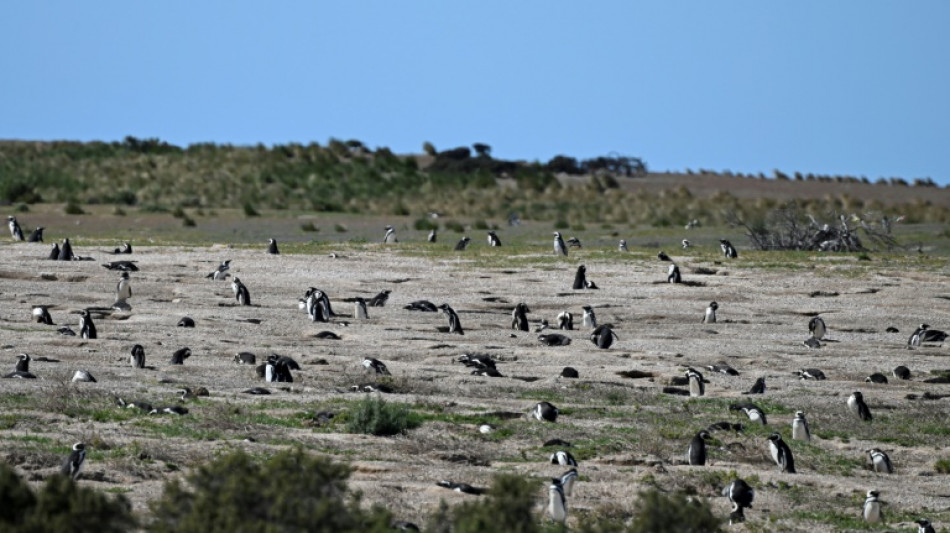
942	466
454	225
309	227
250	211
374	416
188	222
425	224
73	208
561	224
480	224
291	491
60	505
507	507
179	212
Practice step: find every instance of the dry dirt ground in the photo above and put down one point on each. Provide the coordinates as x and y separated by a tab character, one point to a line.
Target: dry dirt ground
627	434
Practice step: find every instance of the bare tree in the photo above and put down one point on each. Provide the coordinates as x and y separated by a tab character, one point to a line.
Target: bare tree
790	228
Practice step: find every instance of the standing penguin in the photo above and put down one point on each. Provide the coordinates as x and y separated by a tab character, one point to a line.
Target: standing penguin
781	453
390	236
685	244
872	507
272	247
559	246
123	289
493	239
545	412
924	526
432	235
66	251
622	247
603	336
697	387
880	462
359	308
455	325
463	242
800	427
557	504
858	407
741	495
41	315
54	252
87	329
241	293
728	249
567	481
519	317
696	455
179	356
710	317
816	326
15	231
37	235
137	359
673	275
589	320
74	461
580	278
565	320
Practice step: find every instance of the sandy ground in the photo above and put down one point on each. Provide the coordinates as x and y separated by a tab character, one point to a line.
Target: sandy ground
630	434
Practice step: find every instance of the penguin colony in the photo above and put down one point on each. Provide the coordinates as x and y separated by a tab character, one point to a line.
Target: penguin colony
705	447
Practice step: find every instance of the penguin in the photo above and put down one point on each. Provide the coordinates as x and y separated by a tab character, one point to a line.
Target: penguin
66	330
241	293
686	244
245	358
87	329
554	339
15	230
404	525
463	242
728	249
580	278
622	247
901	372
565	320
54	252
880	462
723	367
461	487
563	458
277	369
569	373
493	239
422	305
256	391
186	322
542	325
169	410
359	308
696	454
66	251
73	463
123	289
123	266
377	366
924	334
590	319
432	235
36	235
800	427
559	246
876	377
872	507
858	407
41	315
390	236
83	376
23	363
519	317
696	386
811	373
924	526
781	453
557	504
376	301
545	412
603	336
137	358
811	342
661	255
710	317
575	242
741	495
754	412
455	325
567	481
272	247
816	326
317	305
758	387
178	358
221	272
673	274
126	248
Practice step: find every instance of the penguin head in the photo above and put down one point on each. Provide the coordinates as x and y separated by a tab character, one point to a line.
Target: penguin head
775	437
79	446
873	494
713	306
799	414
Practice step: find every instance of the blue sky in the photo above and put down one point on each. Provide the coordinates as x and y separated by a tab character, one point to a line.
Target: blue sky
831	87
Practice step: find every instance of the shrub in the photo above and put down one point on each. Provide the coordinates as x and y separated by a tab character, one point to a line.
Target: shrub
942	466
425	224
561	224
188	222
656	511
73	208
374	416
339	228
309	227
480	224
179	212
250	211
508	507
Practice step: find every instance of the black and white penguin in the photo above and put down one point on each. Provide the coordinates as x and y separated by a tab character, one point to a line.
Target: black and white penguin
519	317
23	363
377	301
811	373
696	454
493	239
455	325
816	326
622	247
179	356
590	319
186	322
710	317
54	252
126	248
390	236
924	526
603	336
422	305
569	372
277	369
15	231
723	367
554	339
137	357
83	376
241	293
122	266
781	453
563	458
880	462
36	235
221	272
87	329
567	481
41	315
685	244
697	387
580	278
463	242
376	366
876	377
66	251
317	305
661	255
73	463
559	246
557	503
758	387
673	274
433	235
728	249
800	429
872	507
542	325
245	358
545	412
123	289
754	412
901	372
575	242
565	320
858	407
924	334
359	309
272	247
741	495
